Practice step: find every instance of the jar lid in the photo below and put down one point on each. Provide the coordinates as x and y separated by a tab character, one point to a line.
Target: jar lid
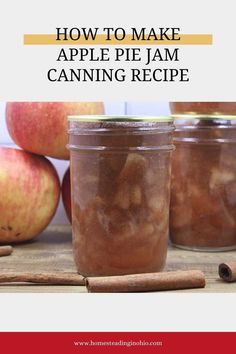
118	118
204	116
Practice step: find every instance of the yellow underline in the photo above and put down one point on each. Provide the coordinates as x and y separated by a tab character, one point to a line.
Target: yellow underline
50	39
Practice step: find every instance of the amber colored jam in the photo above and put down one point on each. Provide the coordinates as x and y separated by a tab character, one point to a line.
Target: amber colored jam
120	176
203	188
228	108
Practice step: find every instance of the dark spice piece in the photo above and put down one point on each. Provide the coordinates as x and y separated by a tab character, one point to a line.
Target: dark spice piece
227	271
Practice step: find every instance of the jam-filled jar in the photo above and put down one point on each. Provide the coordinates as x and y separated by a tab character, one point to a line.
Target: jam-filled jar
120	184
203	188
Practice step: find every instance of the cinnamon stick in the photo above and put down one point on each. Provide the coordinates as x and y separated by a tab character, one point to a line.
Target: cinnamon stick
227	271
147	282
42	278
5	250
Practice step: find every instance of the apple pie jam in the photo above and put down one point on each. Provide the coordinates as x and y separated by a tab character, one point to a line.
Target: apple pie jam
120	180
203	188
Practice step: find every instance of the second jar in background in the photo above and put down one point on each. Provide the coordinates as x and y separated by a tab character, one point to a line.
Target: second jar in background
204	108
203	192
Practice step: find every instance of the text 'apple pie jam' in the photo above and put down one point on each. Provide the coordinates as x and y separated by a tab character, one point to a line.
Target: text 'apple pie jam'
120	180
203	188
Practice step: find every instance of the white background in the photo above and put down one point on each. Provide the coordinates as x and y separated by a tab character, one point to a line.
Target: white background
23	68
22	78
117	312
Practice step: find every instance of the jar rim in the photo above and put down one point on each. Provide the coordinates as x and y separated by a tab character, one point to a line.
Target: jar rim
203	116
119	118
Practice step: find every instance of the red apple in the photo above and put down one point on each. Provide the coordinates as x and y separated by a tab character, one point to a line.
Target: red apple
66	193
29	190
41	127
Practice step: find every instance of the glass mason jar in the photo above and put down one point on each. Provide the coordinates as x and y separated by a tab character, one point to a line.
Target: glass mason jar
203	189
204	108
120	183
